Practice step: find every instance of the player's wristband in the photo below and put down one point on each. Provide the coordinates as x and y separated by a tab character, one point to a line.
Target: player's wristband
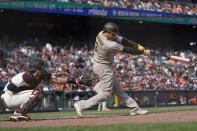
119	39
146	52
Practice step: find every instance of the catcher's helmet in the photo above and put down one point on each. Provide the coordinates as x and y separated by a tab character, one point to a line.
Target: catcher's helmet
111	28
36	64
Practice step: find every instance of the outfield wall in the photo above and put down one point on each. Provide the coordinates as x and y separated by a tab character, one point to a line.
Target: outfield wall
63	100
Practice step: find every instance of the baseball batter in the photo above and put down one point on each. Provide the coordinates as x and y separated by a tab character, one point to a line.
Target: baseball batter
108	42
22	93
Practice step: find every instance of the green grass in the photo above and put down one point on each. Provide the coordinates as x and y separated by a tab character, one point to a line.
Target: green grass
94	112
173	126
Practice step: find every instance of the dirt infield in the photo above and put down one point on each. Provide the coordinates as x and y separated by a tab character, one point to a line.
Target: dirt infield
178	116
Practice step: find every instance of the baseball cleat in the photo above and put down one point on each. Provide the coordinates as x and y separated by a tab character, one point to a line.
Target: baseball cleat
107	109
78	110
139	111
19	117
12	118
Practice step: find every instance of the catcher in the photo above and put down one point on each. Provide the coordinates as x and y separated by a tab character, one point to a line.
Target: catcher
22	93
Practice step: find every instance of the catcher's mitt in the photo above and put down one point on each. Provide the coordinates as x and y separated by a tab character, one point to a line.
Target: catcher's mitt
83	77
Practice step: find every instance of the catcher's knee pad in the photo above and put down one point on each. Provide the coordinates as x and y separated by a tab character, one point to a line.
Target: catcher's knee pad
31	102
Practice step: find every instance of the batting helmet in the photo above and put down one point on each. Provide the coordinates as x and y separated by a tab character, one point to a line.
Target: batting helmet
111	28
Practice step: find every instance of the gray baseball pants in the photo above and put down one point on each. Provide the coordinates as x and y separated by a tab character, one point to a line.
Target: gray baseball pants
108	84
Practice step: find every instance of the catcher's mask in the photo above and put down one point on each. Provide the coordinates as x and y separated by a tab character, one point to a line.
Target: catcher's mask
37	64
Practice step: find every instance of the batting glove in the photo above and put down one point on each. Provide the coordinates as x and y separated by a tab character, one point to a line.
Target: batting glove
146	52
139	47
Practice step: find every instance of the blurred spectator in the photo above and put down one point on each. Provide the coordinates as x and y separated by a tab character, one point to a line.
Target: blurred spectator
192	100
182	100
171	6
134	72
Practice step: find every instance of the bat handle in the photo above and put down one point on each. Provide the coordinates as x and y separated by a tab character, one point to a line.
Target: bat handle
159	54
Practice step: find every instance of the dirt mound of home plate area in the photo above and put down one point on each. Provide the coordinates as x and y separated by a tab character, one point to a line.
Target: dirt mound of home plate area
177	116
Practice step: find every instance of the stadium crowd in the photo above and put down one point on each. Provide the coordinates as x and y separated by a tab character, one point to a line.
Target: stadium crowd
134	72
171	6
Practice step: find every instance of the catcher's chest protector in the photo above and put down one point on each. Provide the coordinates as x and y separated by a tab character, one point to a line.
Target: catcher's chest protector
22	81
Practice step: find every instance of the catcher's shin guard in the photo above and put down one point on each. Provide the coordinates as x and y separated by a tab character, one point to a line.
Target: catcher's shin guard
31	102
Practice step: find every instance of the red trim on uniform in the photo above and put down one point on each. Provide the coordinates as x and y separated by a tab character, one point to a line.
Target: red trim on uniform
37	78
33	97
38	90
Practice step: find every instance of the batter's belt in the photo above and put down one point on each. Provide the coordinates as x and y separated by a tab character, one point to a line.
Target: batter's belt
102	63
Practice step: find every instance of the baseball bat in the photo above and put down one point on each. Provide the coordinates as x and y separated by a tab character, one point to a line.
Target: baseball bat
172	57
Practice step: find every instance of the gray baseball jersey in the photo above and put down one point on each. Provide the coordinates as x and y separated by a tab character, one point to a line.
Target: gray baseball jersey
108	83
104	49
